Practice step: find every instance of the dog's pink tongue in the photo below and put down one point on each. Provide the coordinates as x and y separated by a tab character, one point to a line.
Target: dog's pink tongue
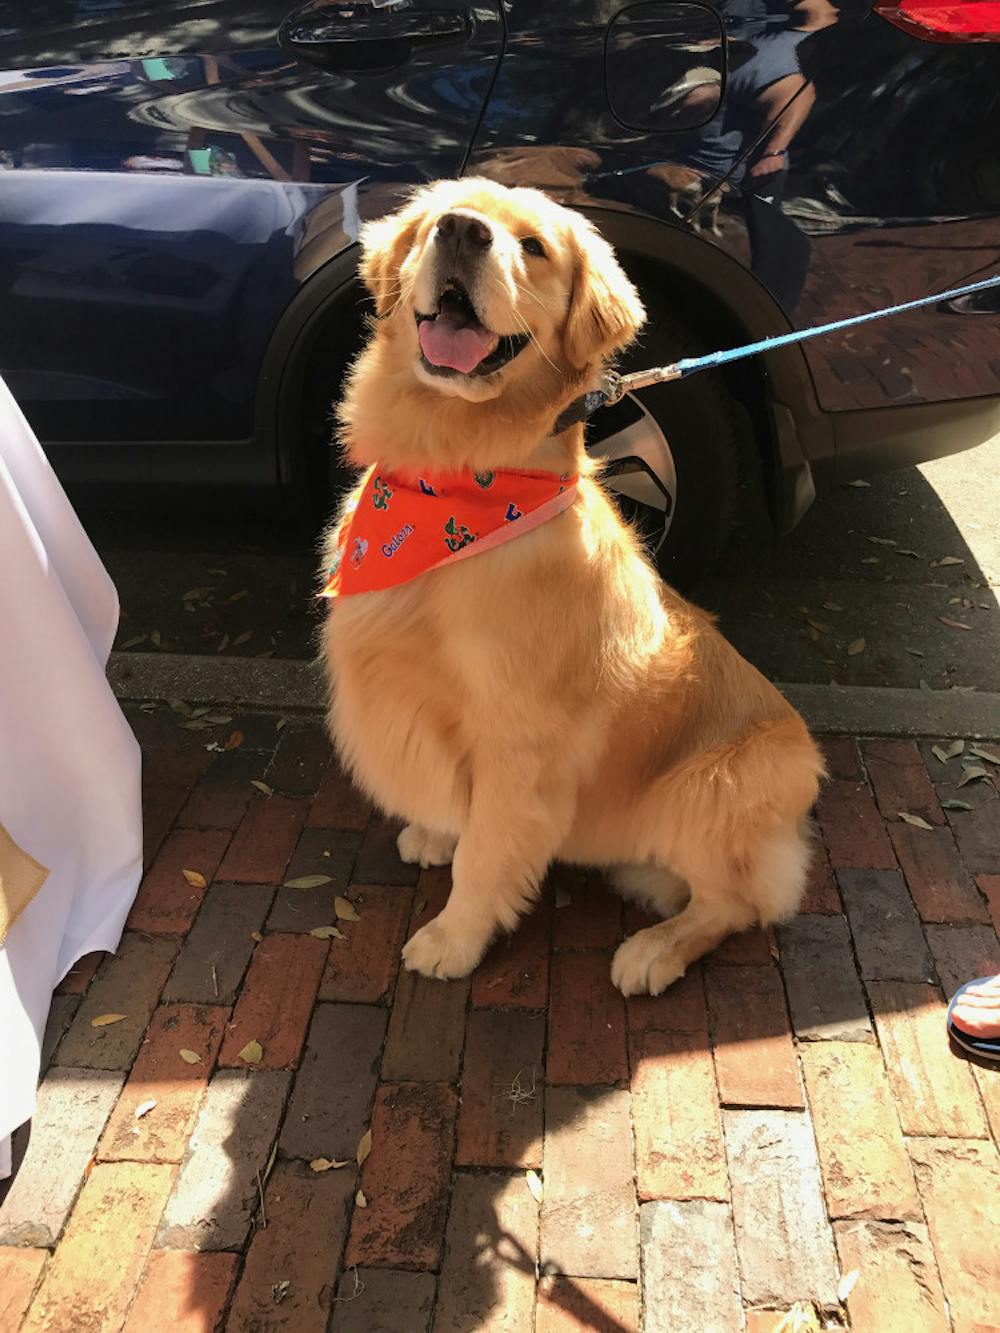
461	349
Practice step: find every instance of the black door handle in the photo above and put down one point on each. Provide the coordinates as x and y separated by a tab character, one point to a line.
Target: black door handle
359	36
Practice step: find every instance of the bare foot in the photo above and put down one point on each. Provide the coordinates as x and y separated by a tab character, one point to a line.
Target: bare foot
978	1011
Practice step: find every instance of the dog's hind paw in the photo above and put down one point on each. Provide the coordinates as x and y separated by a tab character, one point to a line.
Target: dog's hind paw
423	847
645	965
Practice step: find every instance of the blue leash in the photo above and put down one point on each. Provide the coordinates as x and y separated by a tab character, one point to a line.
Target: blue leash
615	386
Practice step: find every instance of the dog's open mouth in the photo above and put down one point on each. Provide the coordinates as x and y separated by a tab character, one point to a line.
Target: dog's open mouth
453	341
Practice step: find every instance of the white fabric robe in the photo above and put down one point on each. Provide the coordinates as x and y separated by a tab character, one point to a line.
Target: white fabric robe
70	793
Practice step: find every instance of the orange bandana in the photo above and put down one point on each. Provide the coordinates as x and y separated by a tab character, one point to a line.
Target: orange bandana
397	530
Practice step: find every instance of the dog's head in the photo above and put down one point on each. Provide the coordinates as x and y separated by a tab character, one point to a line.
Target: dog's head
482	288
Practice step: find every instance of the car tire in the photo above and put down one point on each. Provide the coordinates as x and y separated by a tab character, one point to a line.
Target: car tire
673	454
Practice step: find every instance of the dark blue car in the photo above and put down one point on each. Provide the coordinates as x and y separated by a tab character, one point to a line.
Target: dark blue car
181	188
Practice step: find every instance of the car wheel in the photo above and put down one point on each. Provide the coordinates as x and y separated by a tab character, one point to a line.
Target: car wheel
672	457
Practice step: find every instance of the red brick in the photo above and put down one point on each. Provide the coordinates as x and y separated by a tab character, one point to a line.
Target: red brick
426	1030
331	1104
962	953
301	759
405	1178
586	1305
675	1113
95	1270
183	1291
592	919
81	974
934	1092
129	984
898	775
842	758
589	1215
381	1300
852	827
754	1056
160	807
515	972
276	1001
898	1289
178	762
20	1270
861	1149
379	861
959	1182
362	967
222	795
888	939
166	903
62	1011
159	1073
586	1022
681	1007
338	803
821	888
306	1223
990	886
480	1287
264	841
500	1123
747	946
939	883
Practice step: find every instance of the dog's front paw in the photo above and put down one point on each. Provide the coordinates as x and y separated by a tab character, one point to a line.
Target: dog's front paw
439	951
423	847
645	964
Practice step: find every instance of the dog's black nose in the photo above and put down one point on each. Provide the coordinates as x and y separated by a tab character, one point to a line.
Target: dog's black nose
462	230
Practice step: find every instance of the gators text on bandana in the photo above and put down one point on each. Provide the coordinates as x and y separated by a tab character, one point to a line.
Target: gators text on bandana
397	530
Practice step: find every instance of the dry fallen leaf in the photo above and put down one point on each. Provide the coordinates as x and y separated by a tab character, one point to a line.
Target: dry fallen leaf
988	755
190	1057
256	935
245	637
953	624
218	719
133	642
847	1284
855	646
947	560
327	933
954	804
971	774
307	882
905	550
195	878
858	483
915	820
882	541
563	898
223	644
236	597
832	606
144	1108
534	1183
262	786
236	739
360	1199
252	1053
154	638
364	1147
105	1020
345	910
326	1164
949	752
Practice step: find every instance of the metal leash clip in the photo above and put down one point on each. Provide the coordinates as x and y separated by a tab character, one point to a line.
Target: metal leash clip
614	386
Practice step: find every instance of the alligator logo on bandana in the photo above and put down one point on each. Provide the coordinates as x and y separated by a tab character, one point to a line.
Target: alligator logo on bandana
435	521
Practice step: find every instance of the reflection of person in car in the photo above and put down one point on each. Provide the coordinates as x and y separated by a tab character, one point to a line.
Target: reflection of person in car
766	89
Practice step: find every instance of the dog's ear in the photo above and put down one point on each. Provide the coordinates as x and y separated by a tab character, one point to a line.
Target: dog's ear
385	245
605	312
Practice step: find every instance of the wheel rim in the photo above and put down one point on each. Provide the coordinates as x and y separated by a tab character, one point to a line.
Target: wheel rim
640	467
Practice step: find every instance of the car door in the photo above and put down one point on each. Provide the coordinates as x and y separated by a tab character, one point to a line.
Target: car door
170	177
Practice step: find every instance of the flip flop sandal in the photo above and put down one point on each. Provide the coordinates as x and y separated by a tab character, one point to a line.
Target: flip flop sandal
986	1048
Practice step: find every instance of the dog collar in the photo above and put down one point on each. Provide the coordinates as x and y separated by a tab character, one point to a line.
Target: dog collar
396	529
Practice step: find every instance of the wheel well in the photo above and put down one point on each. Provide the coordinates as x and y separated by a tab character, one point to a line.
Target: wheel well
715	326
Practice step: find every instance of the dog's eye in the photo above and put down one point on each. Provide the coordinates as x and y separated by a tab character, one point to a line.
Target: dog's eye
531	245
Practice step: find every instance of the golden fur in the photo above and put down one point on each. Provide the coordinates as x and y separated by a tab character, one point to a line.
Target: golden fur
550	698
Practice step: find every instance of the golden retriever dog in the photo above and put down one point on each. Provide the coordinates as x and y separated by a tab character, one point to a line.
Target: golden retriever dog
549	698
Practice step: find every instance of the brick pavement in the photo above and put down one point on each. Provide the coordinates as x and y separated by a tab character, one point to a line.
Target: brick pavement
542	1154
